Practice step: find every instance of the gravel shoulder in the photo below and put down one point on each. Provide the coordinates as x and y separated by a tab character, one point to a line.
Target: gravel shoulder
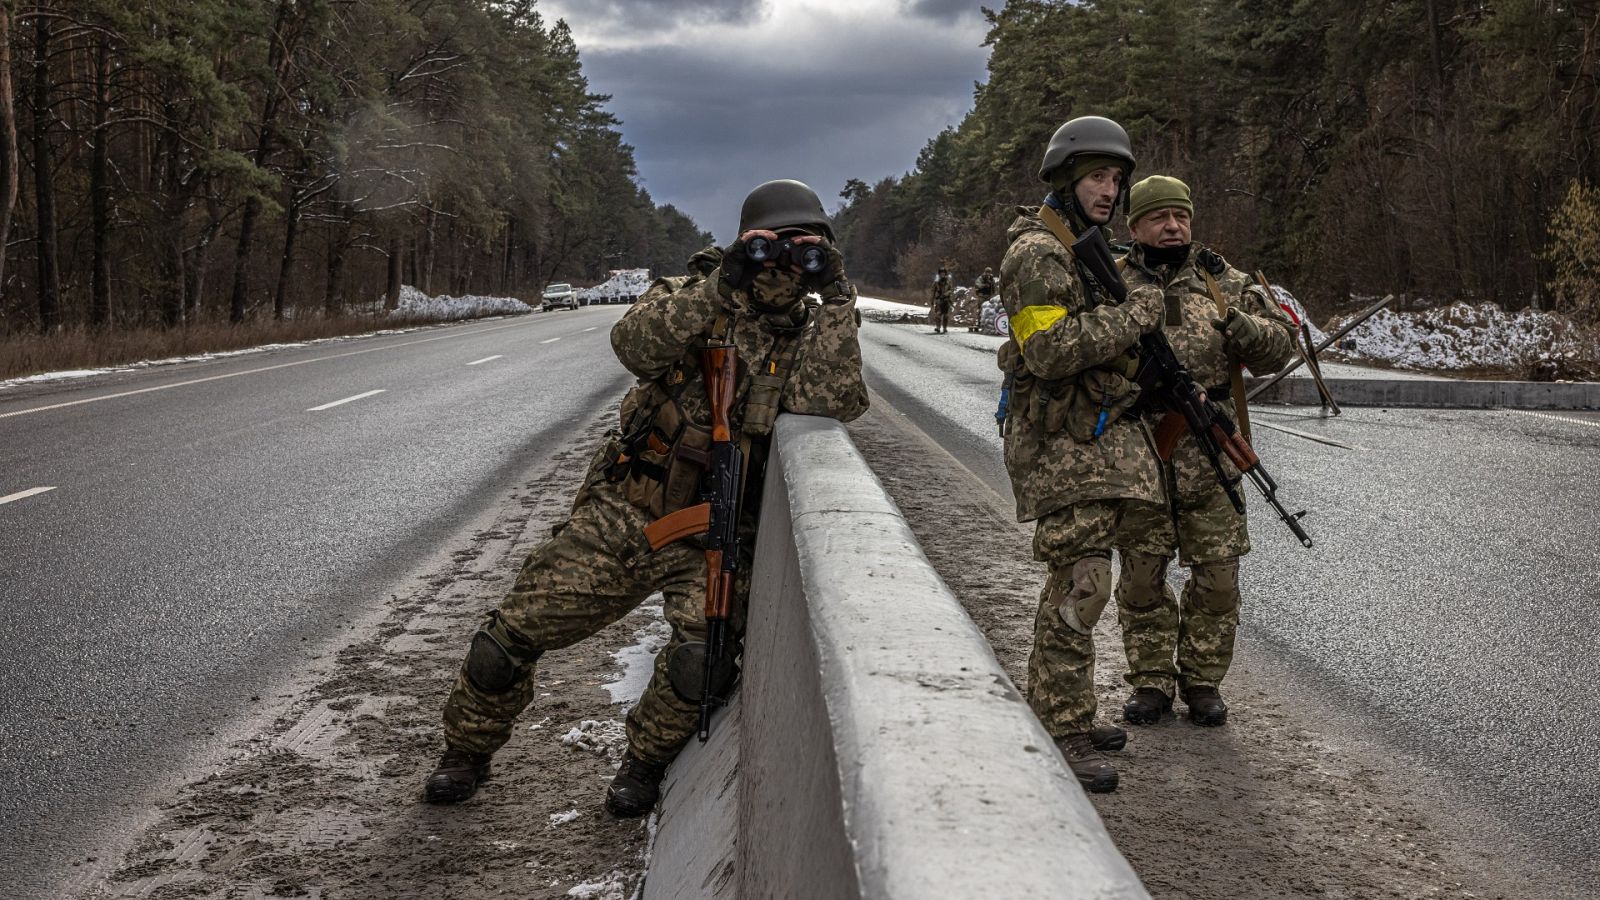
325	801
1284	801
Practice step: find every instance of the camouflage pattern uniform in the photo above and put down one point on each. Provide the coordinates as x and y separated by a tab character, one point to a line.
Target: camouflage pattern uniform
941	297
599	566
1071	356
1174	646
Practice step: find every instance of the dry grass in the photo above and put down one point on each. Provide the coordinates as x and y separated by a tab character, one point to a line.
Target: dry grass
902	295
84	348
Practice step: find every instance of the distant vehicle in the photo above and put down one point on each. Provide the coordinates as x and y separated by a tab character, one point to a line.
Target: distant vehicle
559	296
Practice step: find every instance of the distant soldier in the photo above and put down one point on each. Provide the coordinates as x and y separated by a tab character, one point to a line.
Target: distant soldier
796	355
982	289
1216	319
1080	466
939	302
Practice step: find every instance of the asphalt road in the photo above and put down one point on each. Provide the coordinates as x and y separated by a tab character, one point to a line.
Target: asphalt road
206	521
1448	612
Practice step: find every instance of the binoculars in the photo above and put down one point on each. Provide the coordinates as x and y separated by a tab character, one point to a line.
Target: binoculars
808	258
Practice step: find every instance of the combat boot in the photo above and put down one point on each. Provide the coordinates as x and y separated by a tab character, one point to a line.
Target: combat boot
636	788
457	776
1205	706
1146	706
1095	773
1108	737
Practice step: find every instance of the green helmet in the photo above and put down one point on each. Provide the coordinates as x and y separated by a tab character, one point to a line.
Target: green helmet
783	204
1094	135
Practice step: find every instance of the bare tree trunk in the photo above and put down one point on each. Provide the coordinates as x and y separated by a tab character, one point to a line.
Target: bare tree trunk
169	241
100	187
392	294
426	264
333	292
291	230
10	160
49	266
277	59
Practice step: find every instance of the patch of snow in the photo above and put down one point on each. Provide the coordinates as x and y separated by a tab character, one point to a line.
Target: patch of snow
638	660
1464	336
628	283
414	304
570	815
507	846
612	886
879	310
539	724
1291	305
600	738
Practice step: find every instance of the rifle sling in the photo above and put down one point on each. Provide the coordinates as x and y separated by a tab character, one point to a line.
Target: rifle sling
1241	406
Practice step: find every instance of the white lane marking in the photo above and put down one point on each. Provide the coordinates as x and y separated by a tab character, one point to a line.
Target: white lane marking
1307	435
23	495
344	401
1592	423
551	341
288	365
587	330
485	359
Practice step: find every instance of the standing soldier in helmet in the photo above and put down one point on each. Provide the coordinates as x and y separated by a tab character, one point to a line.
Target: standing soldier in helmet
795	356
939	302
984	288
1217	319
1080	466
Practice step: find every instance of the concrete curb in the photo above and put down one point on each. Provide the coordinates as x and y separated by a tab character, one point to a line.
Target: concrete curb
1444	394
883	752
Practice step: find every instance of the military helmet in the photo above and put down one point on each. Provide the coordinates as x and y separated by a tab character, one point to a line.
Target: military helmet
1094	135
783	204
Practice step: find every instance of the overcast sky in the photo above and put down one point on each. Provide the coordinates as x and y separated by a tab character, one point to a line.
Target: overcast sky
717	96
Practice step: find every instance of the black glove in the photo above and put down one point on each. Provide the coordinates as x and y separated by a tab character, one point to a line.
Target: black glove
1240	333
738	270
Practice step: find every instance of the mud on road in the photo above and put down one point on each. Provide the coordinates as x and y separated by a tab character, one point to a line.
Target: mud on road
1272	805
326	802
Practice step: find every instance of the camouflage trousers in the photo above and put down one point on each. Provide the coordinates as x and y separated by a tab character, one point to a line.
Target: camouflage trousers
1077	542
596	569
1171	644
940	313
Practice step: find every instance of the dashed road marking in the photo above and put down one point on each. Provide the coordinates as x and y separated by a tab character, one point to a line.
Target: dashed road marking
23	495
1592	423
485	359
587	330
344	401
551	341
257	371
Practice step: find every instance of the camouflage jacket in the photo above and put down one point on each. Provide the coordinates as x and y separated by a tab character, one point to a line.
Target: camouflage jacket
943	288
1190	310
986	286
1070	355
660	337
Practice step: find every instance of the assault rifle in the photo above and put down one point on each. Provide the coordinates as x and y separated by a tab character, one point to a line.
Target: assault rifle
1161	373
717	518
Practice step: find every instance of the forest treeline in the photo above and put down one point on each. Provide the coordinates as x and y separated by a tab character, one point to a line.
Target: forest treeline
179	161
1438	149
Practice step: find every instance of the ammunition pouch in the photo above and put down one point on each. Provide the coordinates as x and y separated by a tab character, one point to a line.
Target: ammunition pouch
1076	405
761	404
662	462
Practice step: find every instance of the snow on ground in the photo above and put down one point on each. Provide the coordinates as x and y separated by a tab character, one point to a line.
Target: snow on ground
600	738
622	283
1463	336
414	306
570	815
638	659
879	310
607	887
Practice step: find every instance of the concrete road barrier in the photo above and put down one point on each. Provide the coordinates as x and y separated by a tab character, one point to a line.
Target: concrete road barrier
1453	394
881	751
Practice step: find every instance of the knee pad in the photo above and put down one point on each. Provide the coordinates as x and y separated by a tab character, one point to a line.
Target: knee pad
686	671
1083	597
1214	587
492	666
1142	585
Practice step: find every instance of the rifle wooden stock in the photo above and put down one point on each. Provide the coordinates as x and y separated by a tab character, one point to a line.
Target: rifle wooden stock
1169	431
719	366
686	522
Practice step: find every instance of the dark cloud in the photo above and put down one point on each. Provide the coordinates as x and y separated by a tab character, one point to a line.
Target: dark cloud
712	118
624	16
941	10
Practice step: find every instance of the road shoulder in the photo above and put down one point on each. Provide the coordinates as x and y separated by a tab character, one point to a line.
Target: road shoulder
326	800
1272	805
